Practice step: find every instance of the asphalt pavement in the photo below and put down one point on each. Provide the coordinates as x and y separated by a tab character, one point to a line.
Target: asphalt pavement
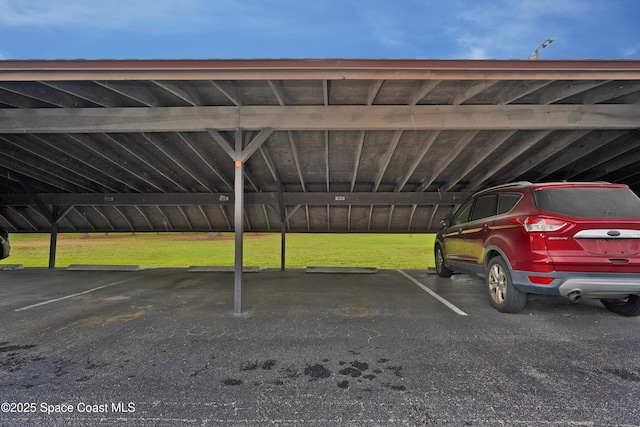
162	347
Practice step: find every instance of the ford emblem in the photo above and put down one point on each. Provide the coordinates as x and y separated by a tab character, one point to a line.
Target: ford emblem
613	233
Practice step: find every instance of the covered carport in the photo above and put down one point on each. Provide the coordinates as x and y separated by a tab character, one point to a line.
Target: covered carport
298	145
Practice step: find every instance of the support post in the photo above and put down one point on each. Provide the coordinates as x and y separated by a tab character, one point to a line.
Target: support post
57	213
54	215
238	223
283	245
239	157
283	225
53	244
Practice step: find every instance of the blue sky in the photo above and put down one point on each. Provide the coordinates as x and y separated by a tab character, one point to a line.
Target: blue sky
434	29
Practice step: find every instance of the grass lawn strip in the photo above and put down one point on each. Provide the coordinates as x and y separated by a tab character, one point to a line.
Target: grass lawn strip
384	251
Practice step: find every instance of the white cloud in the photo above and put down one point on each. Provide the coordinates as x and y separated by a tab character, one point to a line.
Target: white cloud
476	53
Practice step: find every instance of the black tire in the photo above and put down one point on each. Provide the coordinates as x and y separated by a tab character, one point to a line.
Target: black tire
629	306
502	294
441	268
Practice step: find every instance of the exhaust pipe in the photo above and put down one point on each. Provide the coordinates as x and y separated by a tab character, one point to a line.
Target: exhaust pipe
575	296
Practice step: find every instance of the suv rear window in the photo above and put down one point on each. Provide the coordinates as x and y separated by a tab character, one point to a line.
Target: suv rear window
507	201
599	202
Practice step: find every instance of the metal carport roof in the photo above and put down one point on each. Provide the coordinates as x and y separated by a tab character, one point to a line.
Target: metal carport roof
357	145
322	145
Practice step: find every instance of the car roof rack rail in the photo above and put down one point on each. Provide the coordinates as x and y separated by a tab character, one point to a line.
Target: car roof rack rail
511	184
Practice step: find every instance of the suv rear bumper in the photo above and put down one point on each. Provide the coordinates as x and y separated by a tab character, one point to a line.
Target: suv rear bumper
584	285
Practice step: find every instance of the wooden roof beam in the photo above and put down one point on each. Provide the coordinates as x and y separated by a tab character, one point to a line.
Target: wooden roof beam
418	117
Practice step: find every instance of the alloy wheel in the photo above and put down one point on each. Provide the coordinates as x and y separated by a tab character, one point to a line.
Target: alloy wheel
497	283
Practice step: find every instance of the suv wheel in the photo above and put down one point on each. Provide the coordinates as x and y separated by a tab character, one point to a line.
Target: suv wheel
441	268
629	306
502	294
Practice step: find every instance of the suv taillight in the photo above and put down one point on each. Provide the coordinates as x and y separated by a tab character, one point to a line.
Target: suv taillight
538	224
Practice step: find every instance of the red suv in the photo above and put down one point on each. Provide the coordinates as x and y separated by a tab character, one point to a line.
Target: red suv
578	240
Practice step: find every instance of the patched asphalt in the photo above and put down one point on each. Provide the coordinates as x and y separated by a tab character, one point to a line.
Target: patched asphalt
162	347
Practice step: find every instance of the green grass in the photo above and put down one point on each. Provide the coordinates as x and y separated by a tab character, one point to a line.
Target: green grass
387	251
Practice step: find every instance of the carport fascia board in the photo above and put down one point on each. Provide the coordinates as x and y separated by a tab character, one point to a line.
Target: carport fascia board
318	69
417	117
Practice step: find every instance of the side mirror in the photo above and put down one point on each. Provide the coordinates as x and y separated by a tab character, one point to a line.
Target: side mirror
445	222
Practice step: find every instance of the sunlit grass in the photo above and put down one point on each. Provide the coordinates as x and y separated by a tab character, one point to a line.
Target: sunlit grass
387	251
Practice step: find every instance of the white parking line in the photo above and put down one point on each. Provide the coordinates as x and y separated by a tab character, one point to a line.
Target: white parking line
433	294
74	295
